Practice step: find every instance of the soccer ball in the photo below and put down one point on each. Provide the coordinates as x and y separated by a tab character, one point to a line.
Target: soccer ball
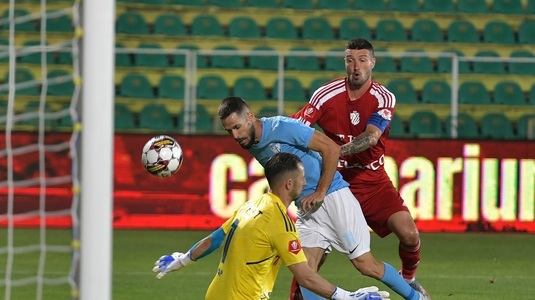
162	156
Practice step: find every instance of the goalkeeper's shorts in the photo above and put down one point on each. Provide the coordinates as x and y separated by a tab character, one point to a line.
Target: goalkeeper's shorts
337	223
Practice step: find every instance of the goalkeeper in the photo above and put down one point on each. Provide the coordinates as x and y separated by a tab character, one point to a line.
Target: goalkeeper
259	238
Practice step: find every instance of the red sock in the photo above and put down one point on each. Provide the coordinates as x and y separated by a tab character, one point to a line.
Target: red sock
295	292
410	258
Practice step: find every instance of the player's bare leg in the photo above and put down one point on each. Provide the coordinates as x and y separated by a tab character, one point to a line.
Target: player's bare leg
402	224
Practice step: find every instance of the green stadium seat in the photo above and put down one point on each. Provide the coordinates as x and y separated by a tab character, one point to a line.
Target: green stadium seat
498	32
335	63
188	2
293	90
212	87
488	67
509	93
404	5
263	3
438	6
304	63
354	27
136	86
203	119
426	30
249	88
152	2
425	124
23	75
444	63
507	6
124	118
268	111
206	25
473	92
472	6
155	117
150	59
122	59
403	90
297	4
64	88
170	25
59	24
263	62
227	61
385	64
390	30
329	4
62	58
416	64
522	68
65	121
397	128
179	60
532	95
462	31
530	7
496	126
378	5
466	126
280	28
172	87
35	57
131	23
317	28
525	127
24	26
226	3
436	91
315	84
525	32
244	27
33	107
4	43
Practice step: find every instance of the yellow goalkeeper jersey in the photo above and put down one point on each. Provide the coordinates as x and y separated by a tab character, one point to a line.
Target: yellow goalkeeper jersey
259	237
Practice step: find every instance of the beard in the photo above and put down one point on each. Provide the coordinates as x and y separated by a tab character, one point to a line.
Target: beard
252	138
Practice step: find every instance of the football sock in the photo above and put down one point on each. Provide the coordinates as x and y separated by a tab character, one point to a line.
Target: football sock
410	258
392	279
308	295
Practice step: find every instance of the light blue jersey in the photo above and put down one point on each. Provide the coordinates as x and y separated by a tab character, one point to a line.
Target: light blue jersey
283	134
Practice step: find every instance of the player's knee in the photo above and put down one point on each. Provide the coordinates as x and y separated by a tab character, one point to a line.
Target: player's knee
410	239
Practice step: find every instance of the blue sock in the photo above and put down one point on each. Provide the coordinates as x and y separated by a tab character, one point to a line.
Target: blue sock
308	295
394	281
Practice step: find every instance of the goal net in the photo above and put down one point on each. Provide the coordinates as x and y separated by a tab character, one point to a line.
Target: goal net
39	185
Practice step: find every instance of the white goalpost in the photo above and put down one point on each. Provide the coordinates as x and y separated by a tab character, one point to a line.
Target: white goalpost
55	170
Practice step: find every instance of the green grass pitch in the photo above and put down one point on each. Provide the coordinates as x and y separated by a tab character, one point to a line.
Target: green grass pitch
454	266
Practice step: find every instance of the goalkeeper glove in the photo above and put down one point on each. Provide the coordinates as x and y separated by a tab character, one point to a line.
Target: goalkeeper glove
367	293
173	262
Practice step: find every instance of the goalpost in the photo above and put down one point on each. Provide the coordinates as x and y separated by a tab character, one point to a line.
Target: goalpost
56	170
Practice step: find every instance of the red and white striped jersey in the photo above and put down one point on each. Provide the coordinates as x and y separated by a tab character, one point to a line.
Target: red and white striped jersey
342	120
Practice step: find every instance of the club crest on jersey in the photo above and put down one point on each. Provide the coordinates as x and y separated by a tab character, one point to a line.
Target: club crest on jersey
275	147
294	246
386	114
354	116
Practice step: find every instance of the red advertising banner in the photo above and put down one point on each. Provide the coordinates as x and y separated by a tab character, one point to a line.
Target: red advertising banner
453	186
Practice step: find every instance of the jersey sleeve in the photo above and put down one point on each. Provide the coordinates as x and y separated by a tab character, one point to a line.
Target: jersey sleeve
386	102
289	248
290	131
308	115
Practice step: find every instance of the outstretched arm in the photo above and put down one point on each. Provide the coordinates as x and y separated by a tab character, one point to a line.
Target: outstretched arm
178	260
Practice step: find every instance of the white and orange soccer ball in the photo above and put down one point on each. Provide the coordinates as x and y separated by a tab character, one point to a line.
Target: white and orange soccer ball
162	156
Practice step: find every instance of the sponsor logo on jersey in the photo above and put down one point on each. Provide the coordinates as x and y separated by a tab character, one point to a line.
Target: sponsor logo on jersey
309	112
386	114
294	246
354	116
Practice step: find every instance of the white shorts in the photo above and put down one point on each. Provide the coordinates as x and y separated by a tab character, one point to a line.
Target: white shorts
338	222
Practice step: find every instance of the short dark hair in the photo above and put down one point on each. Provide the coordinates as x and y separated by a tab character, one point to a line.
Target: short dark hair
231	105
360	43
279	164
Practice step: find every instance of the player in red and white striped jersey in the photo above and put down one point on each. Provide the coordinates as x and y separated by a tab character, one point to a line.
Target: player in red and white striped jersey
355	112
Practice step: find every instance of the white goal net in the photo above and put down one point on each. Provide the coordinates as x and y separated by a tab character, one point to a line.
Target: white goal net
39	186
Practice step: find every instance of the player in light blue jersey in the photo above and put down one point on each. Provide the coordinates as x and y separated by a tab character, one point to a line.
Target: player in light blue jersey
329	215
